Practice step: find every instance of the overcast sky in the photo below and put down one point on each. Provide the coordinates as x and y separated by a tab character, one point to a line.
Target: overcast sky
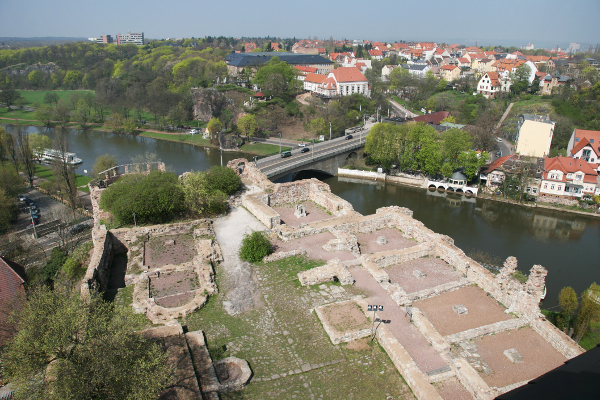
508	22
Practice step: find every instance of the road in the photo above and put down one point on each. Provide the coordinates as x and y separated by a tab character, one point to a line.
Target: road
270	165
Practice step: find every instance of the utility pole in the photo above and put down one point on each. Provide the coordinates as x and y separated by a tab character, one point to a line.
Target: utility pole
279	142
33	224
134	222
330	131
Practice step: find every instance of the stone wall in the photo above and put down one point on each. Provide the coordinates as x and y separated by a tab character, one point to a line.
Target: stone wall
247	170
327	273
265	214
309	189
394	257
284	254
561	342
98	270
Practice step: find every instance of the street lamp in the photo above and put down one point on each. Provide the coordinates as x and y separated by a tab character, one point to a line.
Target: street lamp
313	150
330	131
374	308
134	222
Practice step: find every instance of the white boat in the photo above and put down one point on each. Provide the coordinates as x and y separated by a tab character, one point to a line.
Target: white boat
49	155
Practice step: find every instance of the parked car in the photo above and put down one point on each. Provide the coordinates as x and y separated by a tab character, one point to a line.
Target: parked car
29	202
349	137
498	140
22	198
36	221
498	154
78	228
305	150
301	144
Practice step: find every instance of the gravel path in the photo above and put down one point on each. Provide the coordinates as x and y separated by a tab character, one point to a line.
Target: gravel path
241	288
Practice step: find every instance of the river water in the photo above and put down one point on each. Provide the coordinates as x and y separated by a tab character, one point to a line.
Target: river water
566	244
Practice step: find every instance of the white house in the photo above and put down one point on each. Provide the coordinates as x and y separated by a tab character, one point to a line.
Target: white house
343	81
567	177
312	81
585	145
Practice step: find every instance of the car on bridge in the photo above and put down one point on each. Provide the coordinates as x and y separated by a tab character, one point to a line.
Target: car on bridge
349	137
301	144
286	154
305	150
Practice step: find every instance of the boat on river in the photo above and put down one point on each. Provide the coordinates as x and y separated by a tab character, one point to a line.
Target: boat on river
49	155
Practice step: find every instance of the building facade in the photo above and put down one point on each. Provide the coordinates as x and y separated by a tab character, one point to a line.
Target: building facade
131	38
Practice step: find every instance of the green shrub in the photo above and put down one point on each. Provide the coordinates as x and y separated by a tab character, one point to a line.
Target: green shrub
80	254
255	247
154	198
518	275
53	265
73	269
222	179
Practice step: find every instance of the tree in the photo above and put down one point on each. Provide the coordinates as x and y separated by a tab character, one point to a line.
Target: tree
68	347
454	142
154	198
400	78
247	124
199	198
223	179
36	78
39	142
567	299
62	113
214	126
9	97
255	247
318	126
45	113
382	143
51	98
82	114
26	156
103	163
588	310
64	172
277	78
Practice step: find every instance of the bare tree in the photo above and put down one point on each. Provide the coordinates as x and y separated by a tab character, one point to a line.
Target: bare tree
63	171
11	149
25	154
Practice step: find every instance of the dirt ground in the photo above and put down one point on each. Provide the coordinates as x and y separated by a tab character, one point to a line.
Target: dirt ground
313	245
158	251
174	282
346	317
438	272
313	213
452	389
176	300
395	241
538	355
482	310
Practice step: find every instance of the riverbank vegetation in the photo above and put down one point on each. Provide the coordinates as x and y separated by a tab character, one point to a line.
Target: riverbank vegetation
420	148
578	319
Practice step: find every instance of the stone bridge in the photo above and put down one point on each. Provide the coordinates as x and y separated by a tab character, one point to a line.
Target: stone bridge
324	157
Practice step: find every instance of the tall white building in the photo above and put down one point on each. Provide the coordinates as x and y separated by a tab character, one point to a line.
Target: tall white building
134	38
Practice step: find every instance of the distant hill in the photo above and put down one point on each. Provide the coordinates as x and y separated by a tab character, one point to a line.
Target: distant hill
24	42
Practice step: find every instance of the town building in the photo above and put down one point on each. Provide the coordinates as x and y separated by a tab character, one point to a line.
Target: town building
236	62
12	279
131	38
341	81
450	72
491	83
104	39
567	177
585	145
535	135
528	169
312	81
434	118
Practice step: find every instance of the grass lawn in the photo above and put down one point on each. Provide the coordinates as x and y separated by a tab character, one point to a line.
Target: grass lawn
184	138
592	338
37	96
45	172
282	335
17	114
262	149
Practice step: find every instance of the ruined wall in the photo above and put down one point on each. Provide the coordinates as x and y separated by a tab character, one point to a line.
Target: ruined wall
98	270
247	170
265	214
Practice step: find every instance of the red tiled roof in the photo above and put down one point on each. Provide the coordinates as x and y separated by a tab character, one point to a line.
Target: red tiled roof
12	277
433	118
305	70
494	79
348	74
259	94
582	133
375	52
463	60
498	163
328	84
449	67
569	165
315	78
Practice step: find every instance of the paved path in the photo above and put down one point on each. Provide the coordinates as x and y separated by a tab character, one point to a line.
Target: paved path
241	289
404	331
504	115
406	112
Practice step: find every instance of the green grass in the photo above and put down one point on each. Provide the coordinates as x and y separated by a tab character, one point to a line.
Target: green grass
37	96
263	149
183	138
17	114
592	338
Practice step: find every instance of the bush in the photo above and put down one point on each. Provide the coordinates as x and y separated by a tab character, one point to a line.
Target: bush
154	198
255	247
73	269
223	179
53	265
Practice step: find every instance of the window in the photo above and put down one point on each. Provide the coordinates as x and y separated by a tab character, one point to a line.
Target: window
545	186
559	187
552	187
591	140
534	190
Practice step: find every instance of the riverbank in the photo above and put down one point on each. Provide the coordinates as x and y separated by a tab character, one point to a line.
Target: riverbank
258	149
420	183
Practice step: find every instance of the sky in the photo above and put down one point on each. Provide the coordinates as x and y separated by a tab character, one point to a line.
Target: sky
509	22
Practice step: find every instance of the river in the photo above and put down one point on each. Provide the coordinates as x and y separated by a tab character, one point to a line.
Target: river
566	244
